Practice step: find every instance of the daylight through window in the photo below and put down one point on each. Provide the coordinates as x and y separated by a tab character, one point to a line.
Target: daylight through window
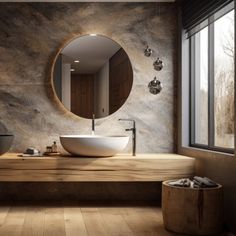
212	85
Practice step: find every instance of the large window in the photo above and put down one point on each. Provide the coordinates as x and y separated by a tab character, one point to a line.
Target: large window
212	84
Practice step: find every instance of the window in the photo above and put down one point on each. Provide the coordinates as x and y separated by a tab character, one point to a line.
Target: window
212	84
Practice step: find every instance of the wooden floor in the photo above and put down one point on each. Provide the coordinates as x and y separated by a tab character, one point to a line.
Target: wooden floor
81	220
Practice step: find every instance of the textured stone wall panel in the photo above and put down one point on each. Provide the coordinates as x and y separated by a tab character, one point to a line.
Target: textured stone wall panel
31	34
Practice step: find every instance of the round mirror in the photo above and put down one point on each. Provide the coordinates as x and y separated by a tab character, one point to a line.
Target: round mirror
92	75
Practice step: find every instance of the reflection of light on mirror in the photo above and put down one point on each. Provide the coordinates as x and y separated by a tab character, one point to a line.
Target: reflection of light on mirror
93	34
76	61
72	70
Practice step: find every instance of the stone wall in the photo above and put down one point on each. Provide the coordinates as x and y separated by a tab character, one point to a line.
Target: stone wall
31	34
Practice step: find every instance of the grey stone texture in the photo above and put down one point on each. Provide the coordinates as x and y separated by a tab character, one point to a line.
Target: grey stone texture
32	34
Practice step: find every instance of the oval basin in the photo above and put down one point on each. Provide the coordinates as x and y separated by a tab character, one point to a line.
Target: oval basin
93	145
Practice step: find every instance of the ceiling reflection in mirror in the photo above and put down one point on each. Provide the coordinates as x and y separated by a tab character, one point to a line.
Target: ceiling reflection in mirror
92	75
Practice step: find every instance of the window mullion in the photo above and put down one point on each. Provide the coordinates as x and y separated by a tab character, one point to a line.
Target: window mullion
192	90
211	121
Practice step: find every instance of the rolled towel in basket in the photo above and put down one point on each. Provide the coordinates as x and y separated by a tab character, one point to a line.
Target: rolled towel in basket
181	183
202	182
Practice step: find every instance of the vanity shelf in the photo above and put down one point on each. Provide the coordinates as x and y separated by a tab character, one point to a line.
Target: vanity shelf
143	167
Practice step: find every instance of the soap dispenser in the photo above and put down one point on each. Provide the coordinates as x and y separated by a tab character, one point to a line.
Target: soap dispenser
54	147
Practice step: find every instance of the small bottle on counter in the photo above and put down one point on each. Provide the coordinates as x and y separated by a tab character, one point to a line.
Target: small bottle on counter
49	149
54	147
52	150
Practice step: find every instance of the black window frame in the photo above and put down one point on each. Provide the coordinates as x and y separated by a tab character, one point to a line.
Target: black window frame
211	122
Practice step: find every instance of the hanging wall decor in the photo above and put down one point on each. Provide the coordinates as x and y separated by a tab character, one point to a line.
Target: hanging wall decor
158	64
155	86
148	51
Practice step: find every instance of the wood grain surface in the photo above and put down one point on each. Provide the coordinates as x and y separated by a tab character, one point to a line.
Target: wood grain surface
144	167
192	211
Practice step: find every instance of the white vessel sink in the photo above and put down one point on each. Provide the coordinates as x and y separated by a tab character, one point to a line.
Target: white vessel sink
93	145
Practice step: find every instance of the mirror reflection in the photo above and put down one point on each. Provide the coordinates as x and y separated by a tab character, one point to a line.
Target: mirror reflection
92	75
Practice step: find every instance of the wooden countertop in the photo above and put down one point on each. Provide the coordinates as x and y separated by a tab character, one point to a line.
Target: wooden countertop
118	156
122	167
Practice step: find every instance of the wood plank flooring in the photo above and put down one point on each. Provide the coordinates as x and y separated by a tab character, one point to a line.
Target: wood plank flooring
80	220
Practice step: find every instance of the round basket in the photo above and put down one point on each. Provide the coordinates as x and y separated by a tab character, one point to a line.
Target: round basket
192	211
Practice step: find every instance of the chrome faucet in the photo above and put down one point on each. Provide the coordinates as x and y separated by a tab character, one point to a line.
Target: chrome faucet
93	124
133	129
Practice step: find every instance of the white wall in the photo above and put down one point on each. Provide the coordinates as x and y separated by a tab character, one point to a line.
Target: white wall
102	91
66	85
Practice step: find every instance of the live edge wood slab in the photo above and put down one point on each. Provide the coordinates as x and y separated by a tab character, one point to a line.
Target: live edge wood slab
143	167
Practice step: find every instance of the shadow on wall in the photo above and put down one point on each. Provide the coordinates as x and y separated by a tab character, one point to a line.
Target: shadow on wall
222	171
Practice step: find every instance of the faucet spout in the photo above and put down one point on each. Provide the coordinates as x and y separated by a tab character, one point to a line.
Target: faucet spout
133	129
